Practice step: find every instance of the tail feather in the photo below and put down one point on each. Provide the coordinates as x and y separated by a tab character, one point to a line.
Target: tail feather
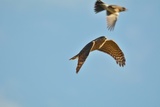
98	7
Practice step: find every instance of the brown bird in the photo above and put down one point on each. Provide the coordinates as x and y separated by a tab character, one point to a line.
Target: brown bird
101	44
112	12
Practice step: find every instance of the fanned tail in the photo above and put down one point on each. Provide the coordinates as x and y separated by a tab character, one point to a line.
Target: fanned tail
98	7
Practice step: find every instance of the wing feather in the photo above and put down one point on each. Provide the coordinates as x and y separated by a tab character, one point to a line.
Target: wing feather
111	21
82	55
111	48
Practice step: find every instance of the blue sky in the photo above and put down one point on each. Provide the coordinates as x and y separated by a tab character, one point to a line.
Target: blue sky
37	38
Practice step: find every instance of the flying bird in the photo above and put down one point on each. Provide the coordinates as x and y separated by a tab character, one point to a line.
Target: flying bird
112	12
101	44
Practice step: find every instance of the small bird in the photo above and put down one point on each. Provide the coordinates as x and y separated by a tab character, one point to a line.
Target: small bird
112	12
101	44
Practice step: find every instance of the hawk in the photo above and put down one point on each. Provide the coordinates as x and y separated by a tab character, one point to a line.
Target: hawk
101	44
112	12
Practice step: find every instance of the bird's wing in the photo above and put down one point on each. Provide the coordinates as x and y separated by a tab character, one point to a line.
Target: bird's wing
82	55
111	48
111	20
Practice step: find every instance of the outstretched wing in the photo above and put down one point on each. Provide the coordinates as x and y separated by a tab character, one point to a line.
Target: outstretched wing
82	55
111	20
111	48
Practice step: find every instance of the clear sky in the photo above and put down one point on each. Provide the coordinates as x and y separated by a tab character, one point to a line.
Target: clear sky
37	38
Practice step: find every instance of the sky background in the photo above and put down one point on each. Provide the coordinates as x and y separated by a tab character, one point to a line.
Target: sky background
38	37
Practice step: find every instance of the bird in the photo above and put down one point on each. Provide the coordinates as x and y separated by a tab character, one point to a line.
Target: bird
112	12
101	44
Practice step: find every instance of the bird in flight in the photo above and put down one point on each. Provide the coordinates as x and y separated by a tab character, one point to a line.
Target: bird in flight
101	44
112	12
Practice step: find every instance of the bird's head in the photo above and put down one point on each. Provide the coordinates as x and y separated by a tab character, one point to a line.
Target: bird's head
123	9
